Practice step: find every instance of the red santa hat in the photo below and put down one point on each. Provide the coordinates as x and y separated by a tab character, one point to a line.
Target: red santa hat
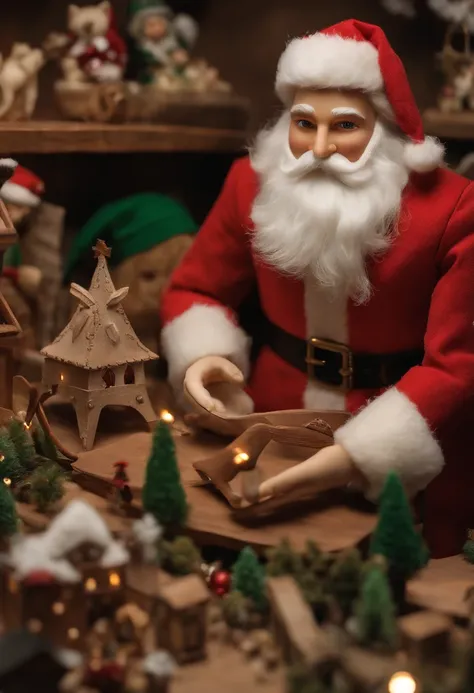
23	188
356	55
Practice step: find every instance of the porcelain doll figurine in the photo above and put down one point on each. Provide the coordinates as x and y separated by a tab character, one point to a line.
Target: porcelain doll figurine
361	246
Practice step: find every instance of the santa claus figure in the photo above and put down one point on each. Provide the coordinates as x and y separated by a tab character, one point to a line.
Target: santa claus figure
361	247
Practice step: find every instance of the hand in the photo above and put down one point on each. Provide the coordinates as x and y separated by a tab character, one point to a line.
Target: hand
210	370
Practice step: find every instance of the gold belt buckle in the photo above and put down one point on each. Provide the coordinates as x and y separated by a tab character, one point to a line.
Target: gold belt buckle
346	371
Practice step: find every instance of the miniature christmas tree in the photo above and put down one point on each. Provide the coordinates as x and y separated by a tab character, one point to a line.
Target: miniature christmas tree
181	556
23	443
395	536
248	577
163	494
8	516
235	609
345	577
10	466
313	591
375	611
46	486
468	549
283	560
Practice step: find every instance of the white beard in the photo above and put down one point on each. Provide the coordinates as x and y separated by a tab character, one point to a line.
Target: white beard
326	217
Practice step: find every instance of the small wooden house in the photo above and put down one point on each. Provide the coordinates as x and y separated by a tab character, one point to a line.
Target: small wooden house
426	636
97	360
296	632
181	618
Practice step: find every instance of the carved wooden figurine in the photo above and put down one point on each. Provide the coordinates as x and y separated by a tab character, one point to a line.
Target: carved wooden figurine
98	360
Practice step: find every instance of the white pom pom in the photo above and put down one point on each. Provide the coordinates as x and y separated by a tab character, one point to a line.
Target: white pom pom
425	156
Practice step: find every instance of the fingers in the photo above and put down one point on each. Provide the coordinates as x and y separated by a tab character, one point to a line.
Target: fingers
229	372
202	397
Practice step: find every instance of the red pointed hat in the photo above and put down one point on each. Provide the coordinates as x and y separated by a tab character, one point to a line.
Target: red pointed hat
356	55
23	188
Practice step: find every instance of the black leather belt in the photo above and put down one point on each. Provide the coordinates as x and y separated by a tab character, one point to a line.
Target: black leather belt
335	364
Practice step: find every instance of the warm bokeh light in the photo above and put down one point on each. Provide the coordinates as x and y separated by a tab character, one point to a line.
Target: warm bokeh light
91	585
402	682
7	481
240	457
62	377
34	625
73	634
114	580
58	608
167	417
2	457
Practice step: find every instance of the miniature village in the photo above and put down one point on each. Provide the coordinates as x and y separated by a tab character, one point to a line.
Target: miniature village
121	596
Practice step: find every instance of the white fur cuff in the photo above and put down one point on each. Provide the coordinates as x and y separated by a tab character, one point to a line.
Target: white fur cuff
390	434
202	331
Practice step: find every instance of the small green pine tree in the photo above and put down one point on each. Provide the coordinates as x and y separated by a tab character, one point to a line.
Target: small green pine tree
8	516
248	577
395	536
163	495
181	556
23	443
10	465
468	551
283	560
375	611
46	486
344	580
235	609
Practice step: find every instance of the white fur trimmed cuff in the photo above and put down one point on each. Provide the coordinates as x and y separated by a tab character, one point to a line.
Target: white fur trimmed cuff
200	331
390	434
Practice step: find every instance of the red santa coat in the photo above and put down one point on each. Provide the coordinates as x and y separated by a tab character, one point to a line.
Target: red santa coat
100	51
423	427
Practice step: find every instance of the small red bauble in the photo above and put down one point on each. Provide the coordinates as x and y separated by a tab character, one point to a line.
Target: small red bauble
220	582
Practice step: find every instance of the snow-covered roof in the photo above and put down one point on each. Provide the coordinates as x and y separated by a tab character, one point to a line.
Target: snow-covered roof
77	524
159	663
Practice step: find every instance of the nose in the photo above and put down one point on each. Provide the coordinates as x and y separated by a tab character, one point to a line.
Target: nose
88	26
321	146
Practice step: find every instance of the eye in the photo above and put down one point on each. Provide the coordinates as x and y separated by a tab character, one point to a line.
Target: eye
346	125
304	124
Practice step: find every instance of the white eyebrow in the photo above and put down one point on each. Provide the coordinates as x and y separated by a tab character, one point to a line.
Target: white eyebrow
303	108
347	111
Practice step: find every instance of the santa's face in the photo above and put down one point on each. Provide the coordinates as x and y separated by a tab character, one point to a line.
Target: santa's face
331	121
155	27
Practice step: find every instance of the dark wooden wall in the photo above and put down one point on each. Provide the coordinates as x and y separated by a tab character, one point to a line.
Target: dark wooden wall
244	38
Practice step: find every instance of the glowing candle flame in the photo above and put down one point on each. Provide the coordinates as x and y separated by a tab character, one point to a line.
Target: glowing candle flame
240	457
402	682
26	426
114	580
2	457
167	417
7	481
62	376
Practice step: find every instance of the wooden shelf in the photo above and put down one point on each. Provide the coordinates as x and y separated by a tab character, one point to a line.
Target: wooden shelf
454	126
64	137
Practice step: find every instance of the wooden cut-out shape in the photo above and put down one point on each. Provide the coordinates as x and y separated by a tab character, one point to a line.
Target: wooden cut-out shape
112	333
9	325
82	295
117	297
79	323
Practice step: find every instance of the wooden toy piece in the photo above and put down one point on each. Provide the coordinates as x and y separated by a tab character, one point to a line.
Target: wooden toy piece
242	454
426	636
98	360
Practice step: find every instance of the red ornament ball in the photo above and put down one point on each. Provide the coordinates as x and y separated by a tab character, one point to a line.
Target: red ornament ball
220	582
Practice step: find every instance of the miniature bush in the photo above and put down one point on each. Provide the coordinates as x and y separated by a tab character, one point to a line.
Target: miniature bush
468	551
8	516
163	494
344	580
313	591
10	465
283	560
46	486
235	609
23	443
181	556
248	577
375	611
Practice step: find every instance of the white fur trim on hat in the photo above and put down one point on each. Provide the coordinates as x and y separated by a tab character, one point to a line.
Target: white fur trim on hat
322	61
18	195
425	156
390	434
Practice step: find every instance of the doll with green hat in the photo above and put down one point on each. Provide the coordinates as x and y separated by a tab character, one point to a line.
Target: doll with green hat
149	234
161	39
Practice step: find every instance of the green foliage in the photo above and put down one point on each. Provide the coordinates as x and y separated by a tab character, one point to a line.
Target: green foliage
283	560
23	443
375	611
300	679
314	591
181	556
163	494
46	486
235	609
8	516
395	536
344	580
44	445
10	466
468	550
248	577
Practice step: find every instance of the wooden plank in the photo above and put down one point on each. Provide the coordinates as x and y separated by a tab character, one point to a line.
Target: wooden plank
60	137
442	586
456	126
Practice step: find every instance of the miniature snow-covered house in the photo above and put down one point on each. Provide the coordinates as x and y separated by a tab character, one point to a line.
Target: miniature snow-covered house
98	360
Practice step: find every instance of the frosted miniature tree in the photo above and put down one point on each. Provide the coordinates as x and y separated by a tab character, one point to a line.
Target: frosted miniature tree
159	668
163	495
8	516
148	533
248	577
395	536
375	611
23	443
46	486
